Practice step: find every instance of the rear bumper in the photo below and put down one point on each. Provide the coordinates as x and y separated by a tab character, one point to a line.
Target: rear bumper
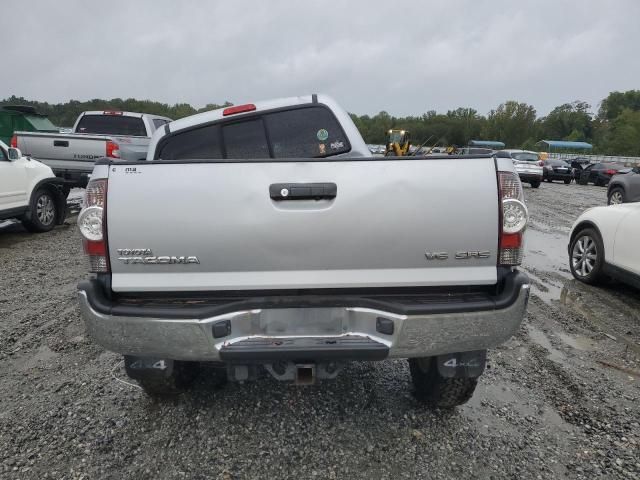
530	177
308	332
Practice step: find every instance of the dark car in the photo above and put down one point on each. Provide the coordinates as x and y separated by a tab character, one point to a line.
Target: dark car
557	170
624	187
600	173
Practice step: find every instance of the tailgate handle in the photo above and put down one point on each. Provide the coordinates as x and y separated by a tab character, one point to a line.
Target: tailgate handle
60	143
302	191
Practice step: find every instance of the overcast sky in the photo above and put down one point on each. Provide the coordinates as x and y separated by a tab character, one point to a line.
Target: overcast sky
405	57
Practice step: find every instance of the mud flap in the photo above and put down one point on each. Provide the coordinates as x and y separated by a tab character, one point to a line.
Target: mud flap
462	365
140	368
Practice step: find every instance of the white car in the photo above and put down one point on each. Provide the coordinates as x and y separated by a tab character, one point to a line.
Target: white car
604	242
30	192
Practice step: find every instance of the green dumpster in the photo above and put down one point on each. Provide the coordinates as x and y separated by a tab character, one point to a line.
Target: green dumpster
22	118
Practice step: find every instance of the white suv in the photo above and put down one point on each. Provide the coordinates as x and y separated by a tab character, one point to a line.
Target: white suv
30	192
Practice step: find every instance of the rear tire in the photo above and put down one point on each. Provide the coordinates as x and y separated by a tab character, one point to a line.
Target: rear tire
549	180
535	184
586	256
43	212
616	196
435	390
567	182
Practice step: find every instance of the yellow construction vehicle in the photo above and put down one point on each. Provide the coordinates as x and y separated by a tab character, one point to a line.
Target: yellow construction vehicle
398	143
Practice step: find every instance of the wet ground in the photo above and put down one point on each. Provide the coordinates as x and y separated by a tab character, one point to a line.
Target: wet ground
559	400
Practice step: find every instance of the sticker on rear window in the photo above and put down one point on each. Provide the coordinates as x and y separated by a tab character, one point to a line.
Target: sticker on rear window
337	145
322	148
322	134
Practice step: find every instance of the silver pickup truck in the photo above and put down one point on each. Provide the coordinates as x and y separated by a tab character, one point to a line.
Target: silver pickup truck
266	237
96	134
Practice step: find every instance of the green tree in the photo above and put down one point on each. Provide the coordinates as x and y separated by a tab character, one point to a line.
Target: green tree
512	123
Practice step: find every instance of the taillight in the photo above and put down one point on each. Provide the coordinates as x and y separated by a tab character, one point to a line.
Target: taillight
514	217
249	107
14	141
611	172
113	149
92	222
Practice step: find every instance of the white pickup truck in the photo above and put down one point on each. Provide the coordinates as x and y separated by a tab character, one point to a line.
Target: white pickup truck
96	134
267	236
30	192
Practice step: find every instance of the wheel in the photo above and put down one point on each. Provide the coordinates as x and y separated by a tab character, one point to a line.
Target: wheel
587	256
597	182
158	383
549	180
43	212
535	184
567	182
434	389
616	196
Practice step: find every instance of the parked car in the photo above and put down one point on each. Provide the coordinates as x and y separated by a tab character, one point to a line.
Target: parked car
557	170
600	173
527	163
286	257
22	117
96	134
604	242
624	187
30	192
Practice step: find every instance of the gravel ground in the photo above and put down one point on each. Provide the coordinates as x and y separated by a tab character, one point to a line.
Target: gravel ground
559	400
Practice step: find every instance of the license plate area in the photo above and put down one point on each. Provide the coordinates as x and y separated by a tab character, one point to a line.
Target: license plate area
300	322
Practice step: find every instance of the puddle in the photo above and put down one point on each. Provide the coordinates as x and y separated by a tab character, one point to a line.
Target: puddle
546	261
576	342
540	338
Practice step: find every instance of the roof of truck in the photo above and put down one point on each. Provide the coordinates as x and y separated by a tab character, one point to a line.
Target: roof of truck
217	114
122	113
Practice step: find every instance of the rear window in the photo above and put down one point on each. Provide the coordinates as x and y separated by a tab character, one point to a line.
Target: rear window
525	157
245	140
112	125
158	122
193	144
556	163
305	132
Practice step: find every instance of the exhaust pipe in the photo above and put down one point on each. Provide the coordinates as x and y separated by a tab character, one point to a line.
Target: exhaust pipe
305	374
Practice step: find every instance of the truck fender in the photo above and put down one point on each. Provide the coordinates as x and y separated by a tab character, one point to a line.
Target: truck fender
60	193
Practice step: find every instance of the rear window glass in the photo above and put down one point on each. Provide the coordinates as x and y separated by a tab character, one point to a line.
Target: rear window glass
525	157
305	133
158	122
193	144
112	125
245	140
556	163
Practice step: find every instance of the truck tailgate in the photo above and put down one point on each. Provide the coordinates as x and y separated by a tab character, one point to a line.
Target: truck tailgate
61	151
386	215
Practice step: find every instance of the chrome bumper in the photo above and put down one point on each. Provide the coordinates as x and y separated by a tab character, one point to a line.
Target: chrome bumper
413	335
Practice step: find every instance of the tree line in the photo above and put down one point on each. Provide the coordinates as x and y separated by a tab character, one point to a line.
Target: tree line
613	130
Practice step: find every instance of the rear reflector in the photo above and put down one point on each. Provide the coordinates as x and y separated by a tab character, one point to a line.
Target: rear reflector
14	141
92	222
611	172
514	217
249	107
